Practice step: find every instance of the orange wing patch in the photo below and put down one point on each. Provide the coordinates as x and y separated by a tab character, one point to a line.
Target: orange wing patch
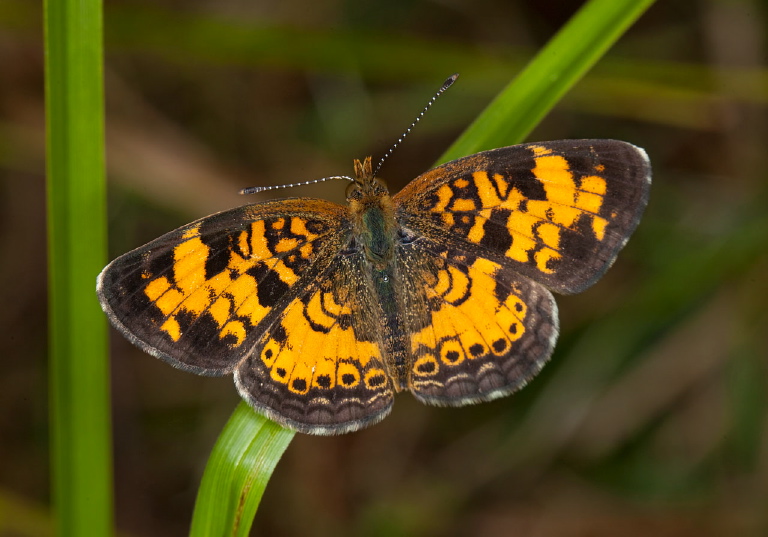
313	350
566	200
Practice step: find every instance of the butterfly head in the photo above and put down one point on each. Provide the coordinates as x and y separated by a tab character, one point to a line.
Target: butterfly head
366	186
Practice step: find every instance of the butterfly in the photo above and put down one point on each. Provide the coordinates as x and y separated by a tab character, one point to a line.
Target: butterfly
324	312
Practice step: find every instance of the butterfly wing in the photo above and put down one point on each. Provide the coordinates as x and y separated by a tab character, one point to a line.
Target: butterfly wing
478	330
556	212
200	297
320	368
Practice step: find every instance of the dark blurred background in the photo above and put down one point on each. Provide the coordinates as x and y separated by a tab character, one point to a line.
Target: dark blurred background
651	417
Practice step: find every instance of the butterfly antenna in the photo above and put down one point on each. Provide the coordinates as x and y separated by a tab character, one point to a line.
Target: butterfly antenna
447	84
257	189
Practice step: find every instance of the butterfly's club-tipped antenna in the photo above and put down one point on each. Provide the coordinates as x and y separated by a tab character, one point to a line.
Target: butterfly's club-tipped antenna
447	84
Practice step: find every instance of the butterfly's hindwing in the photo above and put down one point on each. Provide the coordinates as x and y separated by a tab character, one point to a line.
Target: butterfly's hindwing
478	330
320	368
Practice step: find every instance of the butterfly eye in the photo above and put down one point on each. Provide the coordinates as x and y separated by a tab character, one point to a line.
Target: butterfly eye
353	192
380	186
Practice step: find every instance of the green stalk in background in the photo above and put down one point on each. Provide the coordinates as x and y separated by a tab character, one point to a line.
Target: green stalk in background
79	373
250	447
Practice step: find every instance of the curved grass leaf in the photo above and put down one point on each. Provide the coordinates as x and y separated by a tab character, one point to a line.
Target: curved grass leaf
242	461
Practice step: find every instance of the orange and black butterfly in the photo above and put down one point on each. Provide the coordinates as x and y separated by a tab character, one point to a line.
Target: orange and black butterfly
323	312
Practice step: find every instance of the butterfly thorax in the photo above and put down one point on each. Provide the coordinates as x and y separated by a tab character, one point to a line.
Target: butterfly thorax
373	219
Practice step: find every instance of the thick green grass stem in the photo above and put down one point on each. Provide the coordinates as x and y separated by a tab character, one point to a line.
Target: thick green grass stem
516	111
79	373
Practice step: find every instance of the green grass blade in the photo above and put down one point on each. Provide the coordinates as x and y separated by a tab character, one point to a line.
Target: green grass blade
79	375
563	61
237	473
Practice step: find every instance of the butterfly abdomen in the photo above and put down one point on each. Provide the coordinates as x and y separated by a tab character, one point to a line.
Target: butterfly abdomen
386	284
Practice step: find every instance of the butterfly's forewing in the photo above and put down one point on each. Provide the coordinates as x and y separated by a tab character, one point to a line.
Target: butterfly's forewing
556	212
201	296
